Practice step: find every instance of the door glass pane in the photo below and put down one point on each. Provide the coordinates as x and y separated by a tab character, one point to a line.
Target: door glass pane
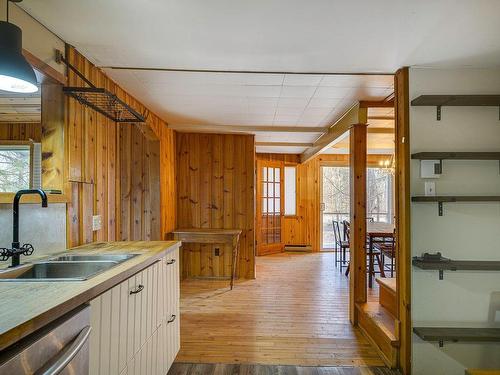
277	175
264	189
277	205
277	189
270	176
270	205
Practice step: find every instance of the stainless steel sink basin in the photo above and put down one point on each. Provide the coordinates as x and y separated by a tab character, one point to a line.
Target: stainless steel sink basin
56	271
92	258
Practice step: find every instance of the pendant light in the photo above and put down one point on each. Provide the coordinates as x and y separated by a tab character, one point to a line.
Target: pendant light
16	74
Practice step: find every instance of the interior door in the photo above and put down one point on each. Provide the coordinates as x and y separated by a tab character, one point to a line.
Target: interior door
270	207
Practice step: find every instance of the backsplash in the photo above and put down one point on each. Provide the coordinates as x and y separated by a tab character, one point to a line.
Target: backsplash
44	228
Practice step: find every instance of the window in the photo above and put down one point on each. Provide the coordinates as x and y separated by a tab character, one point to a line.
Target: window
379	194
15	167
290	191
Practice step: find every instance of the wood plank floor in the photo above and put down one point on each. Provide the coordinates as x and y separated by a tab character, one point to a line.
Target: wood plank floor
294	313
237	369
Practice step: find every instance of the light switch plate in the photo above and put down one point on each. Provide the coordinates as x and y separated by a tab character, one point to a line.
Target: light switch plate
96	222
430	188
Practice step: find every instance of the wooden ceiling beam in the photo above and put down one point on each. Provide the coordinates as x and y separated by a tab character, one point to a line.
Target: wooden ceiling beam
380	117
245	129
376	104
354	115
287	144
380	130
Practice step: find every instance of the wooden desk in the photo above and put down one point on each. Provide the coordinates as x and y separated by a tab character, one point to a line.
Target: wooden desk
374	231
213	236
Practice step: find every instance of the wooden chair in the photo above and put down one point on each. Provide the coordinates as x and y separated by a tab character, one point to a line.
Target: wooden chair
342	245
387	249
376	255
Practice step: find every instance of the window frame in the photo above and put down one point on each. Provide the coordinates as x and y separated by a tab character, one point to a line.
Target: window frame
292	165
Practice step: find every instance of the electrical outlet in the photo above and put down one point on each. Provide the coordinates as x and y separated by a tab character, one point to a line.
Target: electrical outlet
96	222
217	252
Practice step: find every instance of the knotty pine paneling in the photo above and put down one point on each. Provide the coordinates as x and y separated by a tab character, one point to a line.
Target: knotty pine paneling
20	132
139	185
215	184
304	228
98	163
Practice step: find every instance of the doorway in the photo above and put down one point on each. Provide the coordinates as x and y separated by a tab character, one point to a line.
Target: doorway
269	207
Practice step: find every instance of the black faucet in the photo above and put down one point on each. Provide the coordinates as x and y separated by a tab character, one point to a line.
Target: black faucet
17	249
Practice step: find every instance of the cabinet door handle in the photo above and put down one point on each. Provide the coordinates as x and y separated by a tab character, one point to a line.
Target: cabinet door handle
172	318
171	261
137	290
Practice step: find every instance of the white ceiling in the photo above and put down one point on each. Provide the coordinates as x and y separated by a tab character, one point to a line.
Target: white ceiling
249	98
278	35
321	36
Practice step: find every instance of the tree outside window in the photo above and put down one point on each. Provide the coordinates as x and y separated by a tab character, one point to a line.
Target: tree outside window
14	168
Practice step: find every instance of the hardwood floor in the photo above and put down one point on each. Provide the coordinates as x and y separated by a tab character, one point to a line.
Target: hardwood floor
222	369
294	313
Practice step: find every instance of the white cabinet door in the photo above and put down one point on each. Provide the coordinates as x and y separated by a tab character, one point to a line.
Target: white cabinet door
122	320
172	327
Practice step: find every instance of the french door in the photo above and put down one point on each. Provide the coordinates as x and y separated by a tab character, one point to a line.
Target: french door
269	207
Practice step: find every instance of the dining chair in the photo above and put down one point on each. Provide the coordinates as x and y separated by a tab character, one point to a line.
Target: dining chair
387	249
343	245
335	242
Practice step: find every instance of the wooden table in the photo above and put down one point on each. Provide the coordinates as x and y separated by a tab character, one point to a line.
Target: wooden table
374	231
213	236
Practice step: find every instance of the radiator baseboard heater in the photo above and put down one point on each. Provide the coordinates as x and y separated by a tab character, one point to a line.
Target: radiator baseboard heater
298	248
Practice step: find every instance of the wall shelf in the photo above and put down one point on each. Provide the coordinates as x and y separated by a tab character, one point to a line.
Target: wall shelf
456	101
440	199
437	262
456	156
456	334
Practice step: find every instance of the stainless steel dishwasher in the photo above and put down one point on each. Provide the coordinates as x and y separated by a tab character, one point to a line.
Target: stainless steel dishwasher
62	347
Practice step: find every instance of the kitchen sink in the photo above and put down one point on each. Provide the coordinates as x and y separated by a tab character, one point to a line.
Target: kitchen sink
56	271
92	258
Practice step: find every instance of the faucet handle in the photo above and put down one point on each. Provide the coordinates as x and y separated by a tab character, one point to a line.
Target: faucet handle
27	249
5	253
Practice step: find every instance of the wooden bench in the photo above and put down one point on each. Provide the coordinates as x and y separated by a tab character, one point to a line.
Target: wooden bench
387	293
481	372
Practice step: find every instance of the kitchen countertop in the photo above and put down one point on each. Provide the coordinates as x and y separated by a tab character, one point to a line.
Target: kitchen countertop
27	306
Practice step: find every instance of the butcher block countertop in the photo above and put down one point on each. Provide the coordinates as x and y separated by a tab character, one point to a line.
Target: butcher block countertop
27	306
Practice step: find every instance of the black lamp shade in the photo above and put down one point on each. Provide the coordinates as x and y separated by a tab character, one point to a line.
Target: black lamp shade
16	74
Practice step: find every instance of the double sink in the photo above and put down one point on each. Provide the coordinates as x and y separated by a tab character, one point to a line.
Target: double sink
65	267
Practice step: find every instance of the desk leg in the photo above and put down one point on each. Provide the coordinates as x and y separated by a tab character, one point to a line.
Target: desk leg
234	264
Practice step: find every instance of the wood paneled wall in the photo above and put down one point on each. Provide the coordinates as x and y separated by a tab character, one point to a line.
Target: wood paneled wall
215	184
305	227
96	150
139	185
20	132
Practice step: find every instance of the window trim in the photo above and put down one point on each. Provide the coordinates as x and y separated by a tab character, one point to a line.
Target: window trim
293	165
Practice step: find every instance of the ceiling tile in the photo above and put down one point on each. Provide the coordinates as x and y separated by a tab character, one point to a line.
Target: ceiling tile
293	102
298	91
262	91
332	92
302	79
323	102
